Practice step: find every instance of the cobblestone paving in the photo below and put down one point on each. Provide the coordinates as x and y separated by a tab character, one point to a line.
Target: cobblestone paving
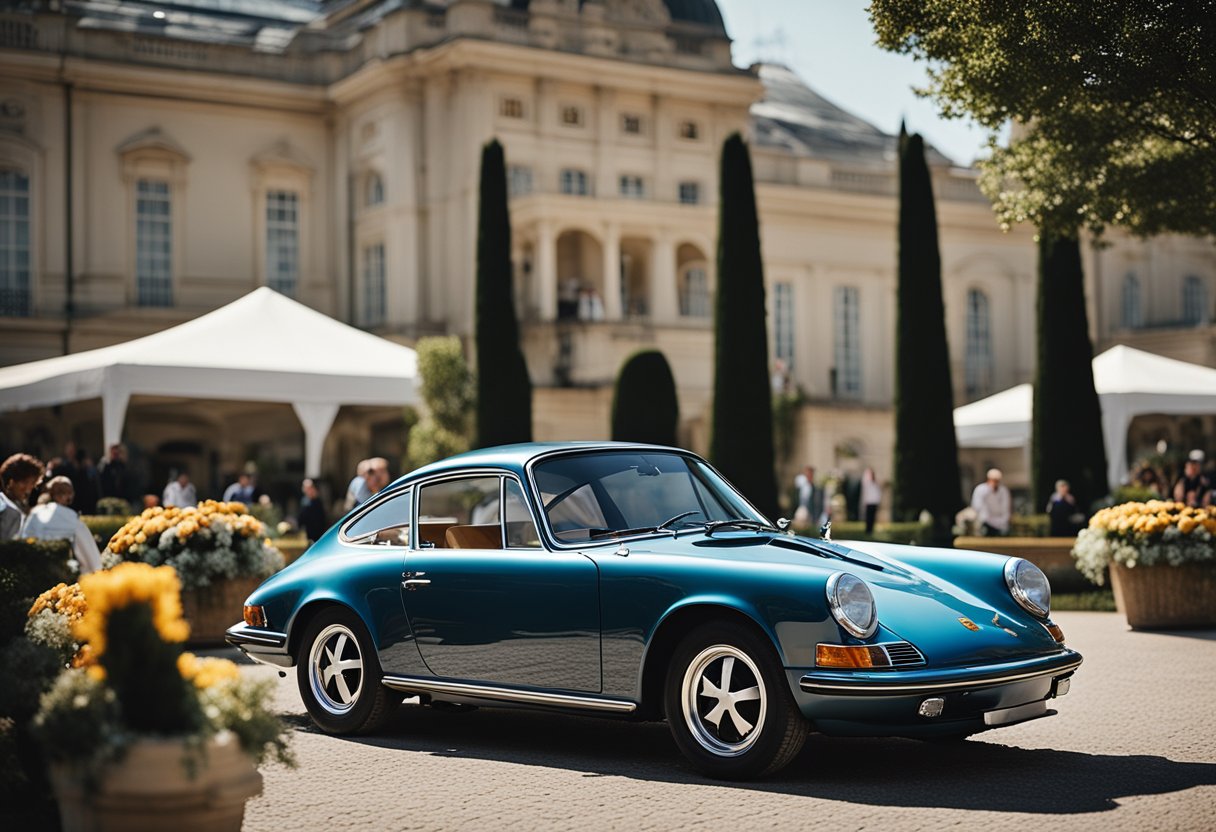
1133	748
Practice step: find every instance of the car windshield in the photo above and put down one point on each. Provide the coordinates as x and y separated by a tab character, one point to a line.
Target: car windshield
607	494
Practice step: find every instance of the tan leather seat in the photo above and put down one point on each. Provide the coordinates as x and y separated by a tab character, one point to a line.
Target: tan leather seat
474	537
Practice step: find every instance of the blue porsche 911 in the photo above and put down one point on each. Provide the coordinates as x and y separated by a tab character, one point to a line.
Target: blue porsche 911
634	581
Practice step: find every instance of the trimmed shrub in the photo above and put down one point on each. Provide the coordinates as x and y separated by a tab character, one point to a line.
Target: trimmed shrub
645	407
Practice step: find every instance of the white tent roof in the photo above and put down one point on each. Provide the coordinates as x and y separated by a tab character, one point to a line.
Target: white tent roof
1129	382
262	347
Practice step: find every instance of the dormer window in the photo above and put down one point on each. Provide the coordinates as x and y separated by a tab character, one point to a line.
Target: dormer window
511	107
689	130
631	124
572	116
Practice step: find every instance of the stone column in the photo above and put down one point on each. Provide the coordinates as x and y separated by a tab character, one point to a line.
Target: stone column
663	290
612	272
546	270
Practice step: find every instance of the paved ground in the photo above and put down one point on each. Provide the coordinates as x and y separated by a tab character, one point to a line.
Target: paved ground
1134	747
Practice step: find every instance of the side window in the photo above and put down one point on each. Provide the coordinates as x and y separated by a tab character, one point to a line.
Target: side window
521	531
460	514
387	524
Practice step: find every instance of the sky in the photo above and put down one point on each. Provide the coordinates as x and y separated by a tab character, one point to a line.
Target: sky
830	44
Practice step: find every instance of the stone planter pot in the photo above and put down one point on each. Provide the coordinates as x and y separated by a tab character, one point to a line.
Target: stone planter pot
150	789
1163	597
213	609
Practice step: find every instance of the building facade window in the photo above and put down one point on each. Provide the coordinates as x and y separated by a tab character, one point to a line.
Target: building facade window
1194	301
373	297
373	190
575	182
690	193
572	116
631	124
153	243
848	342
283	241
1133	309
783	323
689	130
633	187
511	107
519	180
695	300
14	243
977	366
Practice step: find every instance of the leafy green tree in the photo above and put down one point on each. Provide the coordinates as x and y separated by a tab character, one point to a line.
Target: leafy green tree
644	404
926	452
449	390
1067	437
741	444
504	391
1115	102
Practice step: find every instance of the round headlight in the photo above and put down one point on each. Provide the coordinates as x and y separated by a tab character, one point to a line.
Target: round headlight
852	604
1029	586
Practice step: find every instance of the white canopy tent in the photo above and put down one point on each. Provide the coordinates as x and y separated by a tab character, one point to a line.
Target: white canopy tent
1129	382
262	347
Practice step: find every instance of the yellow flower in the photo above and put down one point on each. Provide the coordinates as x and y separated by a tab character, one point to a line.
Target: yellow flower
206	672
126	584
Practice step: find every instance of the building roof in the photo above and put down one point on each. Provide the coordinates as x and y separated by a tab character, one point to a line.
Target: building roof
793	117
703	12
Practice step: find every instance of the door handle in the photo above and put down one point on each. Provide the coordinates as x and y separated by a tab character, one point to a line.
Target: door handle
414	583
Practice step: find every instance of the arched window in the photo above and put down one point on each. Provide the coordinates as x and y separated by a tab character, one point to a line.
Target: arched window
1194	301
694	292
978	362
373	193
14	243
1133	311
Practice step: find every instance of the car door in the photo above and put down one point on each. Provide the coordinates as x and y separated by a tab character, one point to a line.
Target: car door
487	602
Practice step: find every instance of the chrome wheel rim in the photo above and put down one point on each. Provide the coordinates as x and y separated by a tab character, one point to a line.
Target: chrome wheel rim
724	700
336	669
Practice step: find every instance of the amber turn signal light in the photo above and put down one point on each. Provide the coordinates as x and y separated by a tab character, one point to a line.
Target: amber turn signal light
841	655
255	616
1055	631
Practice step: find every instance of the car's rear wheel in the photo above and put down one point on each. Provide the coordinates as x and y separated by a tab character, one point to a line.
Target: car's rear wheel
728	705
338	674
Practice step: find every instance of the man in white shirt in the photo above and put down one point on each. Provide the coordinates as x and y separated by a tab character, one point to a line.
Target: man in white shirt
54	520
993	504
179	492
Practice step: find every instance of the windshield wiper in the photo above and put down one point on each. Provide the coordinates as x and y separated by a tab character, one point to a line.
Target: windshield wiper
664	526
738	523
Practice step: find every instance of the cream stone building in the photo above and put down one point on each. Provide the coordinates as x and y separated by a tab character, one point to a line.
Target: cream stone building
158	160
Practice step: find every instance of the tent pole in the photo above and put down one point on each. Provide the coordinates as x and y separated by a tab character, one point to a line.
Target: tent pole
316	418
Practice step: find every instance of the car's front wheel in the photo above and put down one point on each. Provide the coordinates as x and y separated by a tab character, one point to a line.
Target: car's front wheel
338	674
728	705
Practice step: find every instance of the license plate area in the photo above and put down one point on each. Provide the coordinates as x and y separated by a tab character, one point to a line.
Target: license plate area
1008	716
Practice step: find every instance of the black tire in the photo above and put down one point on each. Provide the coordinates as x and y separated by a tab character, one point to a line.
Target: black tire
730	750
349	700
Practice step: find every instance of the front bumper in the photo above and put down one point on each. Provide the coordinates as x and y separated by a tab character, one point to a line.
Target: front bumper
261	645
889	703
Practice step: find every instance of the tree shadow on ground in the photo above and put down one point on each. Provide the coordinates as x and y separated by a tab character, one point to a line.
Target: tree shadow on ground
976	774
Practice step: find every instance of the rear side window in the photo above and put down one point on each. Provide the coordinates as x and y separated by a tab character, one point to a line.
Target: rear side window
386	524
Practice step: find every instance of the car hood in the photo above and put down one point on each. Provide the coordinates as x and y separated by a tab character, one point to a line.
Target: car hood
926	606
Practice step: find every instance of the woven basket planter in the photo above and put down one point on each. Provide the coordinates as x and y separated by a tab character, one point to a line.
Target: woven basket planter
1163	597
212	609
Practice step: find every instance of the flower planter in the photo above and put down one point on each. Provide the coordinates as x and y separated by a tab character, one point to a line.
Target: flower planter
151	789
211	610
1163	597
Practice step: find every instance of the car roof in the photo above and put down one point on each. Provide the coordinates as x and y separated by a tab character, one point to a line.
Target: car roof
515	457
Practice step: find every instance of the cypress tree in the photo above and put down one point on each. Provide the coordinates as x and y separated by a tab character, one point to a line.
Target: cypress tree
741	443
644	403
504	391
926	452
1067	435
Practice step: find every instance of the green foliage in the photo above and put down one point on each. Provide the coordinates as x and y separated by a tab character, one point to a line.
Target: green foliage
141	669
448	389
917	534
241	708
1067	434
1097	600
104	526
926	454
1120	99
28	670
741	442
1133	494
504	391
785	423
79	718
114	507
645	407
26	571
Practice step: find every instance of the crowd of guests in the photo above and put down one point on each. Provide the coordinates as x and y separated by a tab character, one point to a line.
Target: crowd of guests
33	505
